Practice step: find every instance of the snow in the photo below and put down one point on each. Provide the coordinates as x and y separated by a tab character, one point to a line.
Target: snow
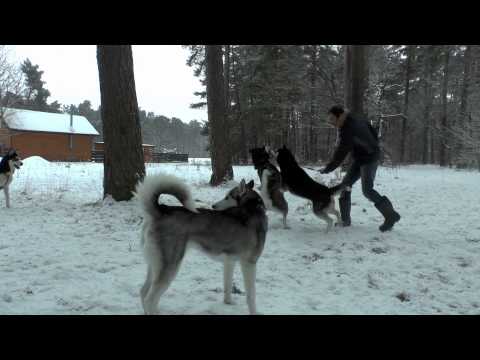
64	250
35	162
48	122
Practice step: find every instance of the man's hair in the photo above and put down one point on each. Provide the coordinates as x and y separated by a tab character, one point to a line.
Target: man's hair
336	110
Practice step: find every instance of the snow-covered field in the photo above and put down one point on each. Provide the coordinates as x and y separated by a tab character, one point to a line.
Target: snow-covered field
63	250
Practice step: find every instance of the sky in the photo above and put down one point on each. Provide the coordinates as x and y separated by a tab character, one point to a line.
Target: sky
164	83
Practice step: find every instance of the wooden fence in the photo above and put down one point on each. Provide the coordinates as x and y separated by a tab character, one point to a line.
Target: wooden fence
99	156
169	157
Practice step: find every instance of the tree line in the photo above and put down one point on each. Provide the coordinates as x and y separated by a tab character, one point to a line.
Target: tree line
22	87
423	98
167	134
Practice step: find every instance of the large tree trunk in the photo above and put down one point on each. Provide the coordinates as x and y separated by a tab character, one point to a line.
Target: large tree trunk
427	87
443	133
432	140
347	76
355	78
312	146
365	79
219	144
124	164
226	72
239	105
462	117
226	78
410	55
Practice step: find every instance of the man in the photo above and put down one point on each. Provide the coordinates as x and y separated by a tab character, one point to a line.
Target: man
358	137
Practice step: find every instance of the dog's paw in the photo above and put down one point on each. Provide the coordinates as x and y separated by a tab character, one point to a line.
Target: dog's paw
152	311
229	301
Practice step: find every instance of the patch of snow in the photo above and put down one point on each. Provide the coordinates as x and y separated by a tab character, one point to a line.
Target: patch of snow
35	162
64	250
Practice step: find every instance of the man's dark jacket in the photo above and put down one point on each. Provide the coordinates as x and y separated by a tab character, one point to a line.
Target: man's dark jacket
360	138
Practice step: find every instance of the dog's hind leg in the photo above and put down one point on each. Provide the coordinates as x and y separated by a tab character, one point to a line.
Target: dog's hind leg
146	286
327	218
332	210
7	196
162	274
322	215
249	275
159	284
337	215
281	205
285	212
228	267
285	226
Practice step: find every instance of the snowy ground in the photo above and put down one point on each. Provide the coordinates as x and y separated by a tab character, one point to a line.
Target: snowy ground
65	251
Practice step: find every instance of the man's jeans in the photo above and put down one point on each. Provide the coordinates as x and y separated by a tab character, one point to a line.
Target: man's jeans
367	173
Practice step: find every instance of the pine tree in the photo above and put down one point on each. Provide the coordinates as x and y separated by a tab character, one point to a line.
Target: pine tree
355	78
36	94
443	135
217	117
124	164
410	53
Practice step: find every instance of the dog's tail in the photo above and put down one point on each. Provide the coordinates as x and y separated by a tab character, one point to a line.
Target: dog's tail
152	187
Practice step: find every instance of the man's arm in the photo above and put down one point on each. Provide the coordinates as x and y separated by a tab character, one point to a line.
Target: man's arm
344	147
373	130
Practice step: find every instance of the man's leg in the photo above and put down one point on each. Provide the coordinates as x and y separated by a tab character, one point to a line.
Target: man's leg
382	203
345	204
368	173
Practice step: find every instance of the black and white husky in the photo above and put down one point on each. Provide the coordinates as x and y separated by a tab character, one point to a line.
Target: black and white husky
300	184
234	231
9	163
272	187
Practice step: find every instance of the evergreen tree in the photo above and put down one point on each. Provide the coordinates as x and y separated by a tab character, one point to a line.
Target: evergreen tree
217	117
279	94
36	94
124	164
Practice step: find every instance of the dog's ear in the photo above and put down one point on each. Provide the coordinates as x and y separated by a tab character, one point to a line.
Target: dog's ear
284	147
11	152
251	184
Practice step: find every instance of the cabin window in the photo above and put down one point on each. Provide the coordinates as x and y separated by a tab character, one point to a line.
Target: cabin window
70	138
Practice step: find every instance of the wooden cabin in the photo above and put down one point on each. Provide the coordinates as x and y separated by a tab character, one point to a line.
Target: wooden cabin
54	137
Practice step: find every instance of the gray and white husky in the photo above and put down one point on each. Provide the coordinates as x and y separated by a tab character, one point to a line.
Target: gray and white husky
9	163
272	186
234	231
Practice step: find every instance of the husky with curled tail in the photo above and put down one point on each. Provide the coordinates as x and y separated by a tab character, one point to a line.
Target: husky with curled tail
234	231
